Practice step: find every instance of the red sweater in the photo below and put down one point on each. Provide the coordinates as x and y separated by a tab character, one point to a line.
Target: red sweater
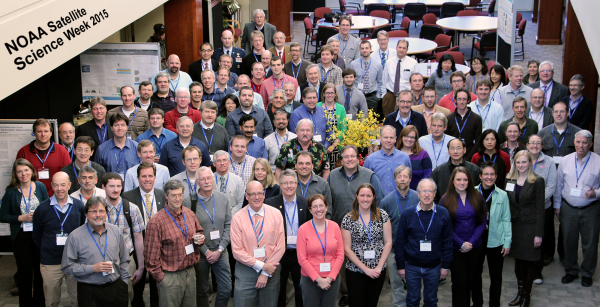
172	116
57	159
448	101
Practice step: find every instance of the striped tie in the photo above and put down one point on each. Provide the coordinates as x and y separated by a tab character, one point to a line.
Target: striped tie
383	59
258	220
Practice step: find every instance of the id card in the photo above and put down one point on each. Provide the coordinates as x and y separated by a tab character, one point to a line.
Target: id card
189	249
510	187
292	239
44	173
27	227
325	267
425	246
349	116
112	272
214	235
61	239
316	137
259	253
575	192
212	158
369	254
122	176
556	159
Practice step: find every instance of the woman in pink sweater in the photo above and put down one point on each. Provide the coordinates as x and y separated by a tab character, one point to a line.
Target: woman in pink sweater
320	253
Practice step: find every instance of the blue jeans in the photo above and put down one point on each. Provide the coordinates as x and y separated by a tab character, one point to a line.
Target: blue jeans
431	281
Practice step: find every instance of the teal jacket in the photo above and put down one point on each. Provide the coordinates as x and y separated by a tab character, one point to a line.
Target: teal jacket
500	227
11	206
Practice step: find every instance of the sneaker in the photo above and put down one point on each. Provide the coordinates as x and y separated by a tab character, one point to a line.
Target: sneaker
442	281
538	281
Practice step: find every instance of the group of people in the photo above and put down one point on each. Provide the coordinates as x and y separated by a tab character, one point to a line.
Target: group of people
220	176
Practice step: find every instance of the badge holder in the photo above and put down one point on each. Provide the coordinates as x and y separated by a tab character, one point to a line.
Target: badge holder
259	252
44	173
61	239
425	245
27	227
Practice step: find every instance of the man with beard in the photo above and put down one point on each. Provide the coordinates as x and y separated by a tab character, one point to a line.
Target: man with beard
282	135
263	124
244	80
164	97
88	179
177	77
428	108
143	101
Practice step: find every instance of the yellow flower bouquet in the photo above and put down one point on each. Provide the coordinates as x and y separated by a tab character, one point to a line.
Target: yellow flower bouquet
362	132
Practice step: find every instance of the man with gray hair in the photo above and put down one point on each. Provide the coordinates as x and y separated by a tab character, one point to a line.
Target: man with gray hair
182	98
276	102
313	81
280	49
297	66
213	135
87	179
576	206
553	90
580	107
395	203
292	102
164	97
282	135
259	24
436	143
228	182
384	53
171	153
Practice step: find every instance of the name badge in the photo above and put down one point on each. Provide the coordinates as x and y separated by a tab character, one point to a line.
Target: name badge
215	235
369	254
27	227
292	239
510	187
349	116
556	159
256	135
189	249
325	267
211	158
575	192
44	173
259	253
316	137
425	246
61	239
122	176
112	272
361	86
129	136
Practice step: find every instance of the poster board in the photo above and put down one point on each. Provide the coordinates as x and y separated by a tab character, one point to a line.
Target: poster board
14	134
505	50
106	67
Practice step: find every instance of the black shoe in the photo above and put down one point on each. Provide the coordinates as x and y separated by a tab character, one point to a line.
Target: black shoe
14	291
343	301
568	278
586	281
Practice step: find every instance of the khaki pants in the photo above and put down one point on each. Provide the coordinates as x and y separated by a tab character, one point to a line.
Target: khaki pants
178	289
53	276
132	269
388	103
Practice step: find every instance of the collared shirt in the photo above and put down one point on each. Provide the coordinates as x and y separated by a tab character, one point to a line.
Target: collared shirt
65	207
357	102
257	148
186	183
102	133
319	119
349	48
109	156
333	74
234	189
258	101
379	55
272	83
136	222
217	94
409	66
438	152
148	207
566	140
182	80
209	63
569	169
171	155
159	142
242	169
77	195
291	216
263	122
537	117
81	253
547	91
211	220
131	179
315	185
507	95
273	142
289	150
384	165
491	114
165	242
375	71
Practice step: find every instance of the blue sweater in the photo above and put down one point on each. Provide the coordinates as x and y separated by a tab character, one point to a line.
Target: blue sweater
46	226
410	233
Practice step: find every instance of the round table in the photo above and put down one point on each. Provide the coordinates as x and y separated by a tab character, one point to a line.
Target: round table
361	23
415	45
468	24
423	69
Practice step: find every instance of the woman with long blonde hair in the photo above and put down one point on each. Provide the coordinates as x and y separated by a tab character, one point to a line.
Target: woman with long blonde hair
263	173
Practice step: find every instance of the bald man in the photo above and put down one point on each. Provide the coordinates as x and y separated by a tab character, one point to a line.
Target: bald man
236	54
66	133
50	235
177	77
265	59
537	111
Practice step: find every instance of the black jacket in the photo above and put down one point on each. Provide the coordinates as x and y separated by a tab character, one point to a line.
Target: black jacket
195	69
303	214
135	198
89	129
319	93
558	91
416	119
441	176
582	117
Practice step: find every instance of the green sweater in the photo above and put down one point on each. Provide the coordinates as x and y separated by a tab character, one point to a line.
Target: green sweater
340	114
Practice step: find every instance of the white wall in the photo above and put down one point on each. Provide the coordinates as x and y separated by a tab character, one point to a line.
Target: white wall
144	27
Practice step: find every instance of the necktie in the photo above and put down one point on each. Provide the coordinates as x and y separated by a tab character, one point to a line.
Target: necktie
281	56
397	79
258	220
365	79
227	52
545	98
383	59
205	66
347	104
148	207
222	184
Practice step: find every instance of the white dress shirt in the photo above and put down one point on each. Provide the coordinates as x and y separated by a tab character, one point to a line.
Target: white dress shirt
492	114
409	65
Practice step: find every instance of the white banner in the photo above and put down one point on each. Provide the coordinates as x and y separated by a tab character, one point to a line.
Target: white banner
506	23
43	35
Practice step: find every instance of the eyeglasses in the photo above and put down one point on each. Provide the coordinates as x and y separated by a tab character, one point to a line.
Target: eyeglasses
405	101
410	137
79	150
97	212
290	183
254	195
192	159
546	71
426	192
206	50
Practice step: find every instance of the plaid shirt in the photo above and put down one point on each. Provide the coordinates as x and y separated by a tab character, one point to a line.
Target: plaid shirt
240	170
121	222
164	247
331	75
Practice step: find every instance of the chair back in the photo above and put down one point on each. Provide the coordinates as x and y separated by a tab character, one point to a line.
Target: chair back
307	25
382	14
376	7
398	33
342	6
405	23
430	32
443	41
519	18
321	11
522	25
492	8
324	33
450	9
415	10
429	19
468	13
377	29
488	39
474	2
459	58
491	64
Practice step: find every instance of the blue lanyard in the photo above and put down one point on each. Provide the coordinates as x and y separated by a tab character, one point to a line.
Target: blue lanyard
382	56
460	129
72	150
489	105
524	131
211	138
103	135
282	81
571	111
28	202
243	167
323	246
302	190
254	54
475	83
277	139
312	118
66	216
361	67
584	166
495	157
47	154
98	246
489	197
118	213
398	201
430	221
368	230
452	97
254	88
119	160
326	76
548	87
261	225
176	84
447	85
294	74
148	213
407	120
212	218
189	185
159	146
291	223
441	149
184	223
226	182
134	115
563	139
346	45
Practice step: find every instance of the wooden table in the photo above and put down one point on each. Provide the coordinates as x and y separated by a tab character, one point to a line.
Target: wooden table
468	24
415	45
423	69
403	2
360	23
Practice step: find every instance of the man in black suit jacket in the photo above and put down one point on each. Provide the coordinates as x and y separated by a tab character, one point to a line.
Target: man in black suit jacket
537	105
553	91
206	62
312	74
267	29
295	213
297	66
581	114
99	111
236	54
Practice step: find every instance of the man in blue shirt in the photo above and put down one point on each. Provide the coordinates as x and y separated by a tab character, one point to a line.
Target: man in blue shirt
263	122
256	146
384	162
157	134
316	114
118	154
170	155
